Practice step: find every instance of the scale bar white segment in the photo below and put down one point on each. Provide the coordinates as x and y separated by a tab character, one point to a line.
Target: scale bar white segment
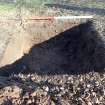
72	17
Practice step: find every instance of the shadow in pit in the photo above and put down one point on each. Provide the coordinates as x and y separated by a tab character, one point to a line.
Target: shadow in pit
77	50
98	11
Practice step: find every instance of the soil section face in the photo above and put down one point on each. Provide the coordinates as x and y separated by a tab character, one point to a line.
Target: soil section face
22	39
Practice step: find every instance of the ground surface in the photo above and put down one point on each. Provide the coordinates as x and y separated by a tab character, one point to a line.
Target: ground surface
53	90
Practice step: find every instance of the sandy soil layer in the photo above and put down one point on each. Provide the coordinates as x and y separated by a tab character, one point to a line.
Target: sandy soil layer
22	39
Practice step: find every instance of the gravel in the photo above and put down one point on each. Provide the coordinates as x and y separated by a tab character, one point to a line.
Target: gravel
87	89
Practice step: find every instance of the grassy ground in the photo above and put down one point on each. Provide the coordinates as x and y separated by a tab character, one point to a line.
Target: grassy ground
6	7
38	7
40	4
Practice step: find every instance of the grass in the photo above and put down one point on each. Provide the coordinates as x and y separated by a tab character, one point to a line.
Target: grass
86	3
37	7
6	7
40	3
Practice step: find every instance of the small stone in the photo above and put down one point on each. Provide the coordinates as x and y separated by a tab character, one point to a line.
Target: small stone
52	103
46	88
97	101
33	78
29	102
33	94
97	83
88	85
103	92
69	78
101	98
89	103
93	93
62	88
78	88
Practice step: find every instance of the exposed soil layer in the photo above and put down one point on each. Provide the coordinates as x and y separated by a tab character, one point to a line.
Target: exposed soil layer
21	40
75	50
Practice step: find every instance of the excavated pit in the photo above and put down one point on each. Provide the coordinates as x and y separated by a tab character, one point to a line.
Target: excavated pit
20	40
49	48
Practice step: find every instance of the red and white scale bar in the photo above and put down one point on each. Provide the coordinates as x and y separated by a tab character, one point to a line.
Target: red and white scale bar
55	18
